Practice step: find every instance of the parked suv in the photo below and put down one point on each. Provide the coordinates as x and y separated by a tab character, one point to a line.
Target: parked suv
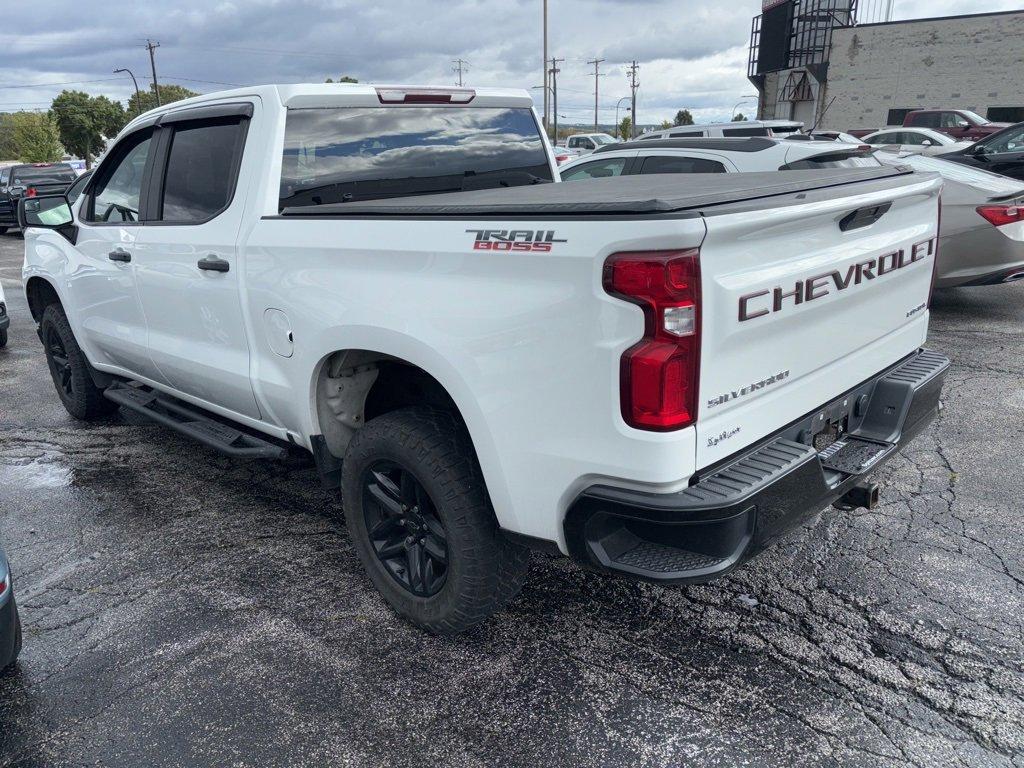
34	180
654	376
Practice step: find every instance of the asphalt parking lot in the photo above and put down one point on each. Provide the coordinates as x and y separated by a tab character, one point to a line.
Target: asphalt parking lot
182	609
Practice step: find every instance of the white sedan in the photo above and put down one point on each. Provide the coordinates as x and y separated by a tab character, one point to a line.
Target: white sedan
922	141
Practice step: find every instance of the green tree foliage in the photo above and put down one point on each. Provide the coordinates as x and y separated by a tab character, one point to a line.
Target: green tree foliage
146	100
739	118
683	117
85	122
624	128
36	139
342	79
8	151
666	123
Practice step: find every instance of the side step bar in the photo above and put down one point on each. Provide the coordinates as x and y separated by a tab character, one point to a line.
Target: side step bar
193	423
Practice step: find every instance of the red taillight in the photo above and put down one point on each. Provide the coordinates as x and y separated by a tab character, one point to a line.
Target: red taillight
425	95
562	159
659	374
30	192
1000	215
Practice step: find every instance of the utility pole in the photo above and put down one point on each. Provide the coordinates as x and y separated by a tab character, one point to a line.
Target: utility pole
460	64
152	63
597	74
633	85
544	67
554	93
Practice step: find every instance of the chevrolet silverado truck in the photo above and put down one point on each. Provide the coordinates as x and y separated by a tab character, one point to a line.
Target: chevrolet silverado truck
654	375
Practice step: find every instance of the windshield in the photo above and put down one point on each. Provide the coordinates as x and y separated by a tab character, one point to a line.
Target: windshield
336	155
974	117
43	174
603	138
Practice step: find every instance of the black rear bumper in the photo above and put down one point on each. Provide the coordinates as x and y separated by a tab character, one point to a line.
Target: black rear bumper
733	510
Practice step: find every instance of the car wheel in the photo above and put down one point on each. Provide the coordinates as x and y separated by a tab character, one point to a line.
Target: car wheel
69	369
422	523
3	230
3	338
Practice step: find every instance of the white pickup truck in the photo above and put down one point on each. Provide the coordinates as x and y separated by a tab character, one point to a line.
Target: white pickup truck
655	375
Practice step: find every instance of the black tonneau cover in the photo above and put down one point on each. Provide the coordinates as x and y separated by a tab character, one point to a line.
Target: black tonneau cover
623	195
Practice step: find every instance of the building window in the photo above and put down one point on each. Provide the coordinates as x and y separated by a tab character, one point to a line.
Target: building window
1005	114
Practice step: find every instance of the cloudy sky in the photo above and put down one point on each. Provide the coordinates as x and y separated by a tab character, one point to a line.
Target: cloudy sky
692	52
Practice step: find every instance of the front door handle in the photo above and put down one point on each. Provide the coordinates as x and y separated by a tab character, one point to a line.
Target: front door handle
213	263
119	254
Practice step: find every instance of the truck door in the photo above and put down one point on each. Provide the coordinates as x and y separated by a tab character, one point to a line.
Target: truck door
186	265
105	309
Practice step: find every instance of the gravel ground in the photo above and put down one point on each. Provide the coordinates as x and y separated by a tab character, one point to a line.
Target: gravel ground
182	609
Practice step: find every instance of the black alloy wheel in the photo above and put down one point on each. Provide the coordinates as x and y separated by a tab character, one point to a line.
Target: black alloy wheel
404	528
60	363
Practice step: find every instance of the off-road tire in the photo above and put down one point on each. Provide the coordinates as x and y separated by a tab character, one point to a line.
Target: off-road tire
17	644
3	338
485	570
85	400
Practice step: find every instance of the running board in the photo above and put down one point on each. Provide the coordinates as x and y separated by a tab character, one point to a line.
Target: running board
193	423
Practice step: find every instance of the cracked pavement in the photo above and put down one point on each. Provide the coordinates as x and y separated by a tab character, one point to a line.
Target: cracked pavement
183	609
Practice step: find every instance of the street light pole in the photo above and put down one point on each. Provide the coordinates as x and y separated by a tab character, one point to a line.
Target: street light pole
617	113
742	101
138	96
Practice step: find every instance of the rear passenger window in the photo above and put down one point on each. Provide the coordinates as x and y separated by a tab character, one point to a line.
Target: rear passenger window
202	168
750	131
670	164
686	134
598	169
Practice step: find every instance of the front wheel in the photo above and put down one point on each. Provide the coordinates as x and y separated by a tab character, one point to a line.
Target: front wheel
69	368
3	338
422	523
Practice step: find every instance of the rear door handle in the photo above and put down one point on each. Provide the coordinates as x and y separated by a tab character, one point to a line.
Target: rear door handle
119	254
213	263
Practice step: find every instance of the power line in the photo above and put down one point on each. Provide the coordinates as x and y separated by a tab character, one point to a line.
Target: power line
597	74
65	82
460	65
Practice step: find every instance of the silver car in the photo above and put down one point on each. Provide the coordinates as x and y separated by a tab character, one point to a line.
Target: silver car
922	141
10	624
981	240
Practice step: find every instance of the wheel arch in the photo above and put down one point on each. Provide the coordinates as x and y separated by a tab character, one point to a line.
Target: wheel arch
384	374
40	293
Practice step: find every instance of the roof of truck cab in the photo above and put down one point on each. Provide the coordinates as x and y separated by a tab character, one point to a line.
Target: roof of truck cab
312	95
621	195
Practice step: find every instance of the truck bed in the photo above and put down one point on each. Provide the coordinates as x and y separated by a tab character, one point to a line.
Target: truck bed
624	195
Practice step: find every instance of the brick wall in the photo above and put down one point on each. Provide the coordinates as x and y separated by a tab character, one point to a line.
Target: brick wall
970	62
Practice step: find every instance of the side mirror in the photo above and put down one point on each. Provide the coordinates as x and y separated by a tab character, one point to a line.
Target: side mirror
50	212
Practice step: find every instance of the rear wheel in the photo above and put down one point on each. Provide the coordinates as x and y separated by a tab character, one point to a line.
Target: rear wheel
17	644
69	369
422	524
3	338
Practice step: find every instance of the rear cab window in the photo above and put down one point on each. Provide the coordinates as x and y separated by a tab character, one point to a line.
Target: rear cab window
341	154
27	175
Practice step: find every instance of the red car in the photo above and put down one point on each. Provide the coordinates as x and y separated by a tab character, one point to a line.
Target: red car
961	124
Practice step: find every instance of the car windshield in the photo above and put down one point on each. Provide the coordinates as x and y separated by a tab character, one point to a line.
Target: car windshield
337	155
43	174
603	138
975	117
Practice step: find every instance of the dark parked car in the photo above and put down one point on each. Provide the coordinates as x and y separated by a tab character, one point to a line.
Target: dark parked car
10	624
34	180
1001	153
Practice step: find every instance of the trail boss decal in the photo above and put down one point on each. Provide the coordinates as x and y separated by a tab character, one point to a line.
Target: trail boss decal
761	303
535	240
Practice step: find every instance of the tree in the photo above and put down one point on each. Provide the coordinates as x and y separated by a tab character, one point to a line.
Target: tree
739	118
35	138
85	122
683	117
146	100
666	124
624	128
8	150
342	79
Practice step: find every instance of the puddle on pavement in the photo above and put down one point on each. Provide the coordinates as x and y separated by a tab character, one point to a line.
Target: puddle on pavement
48	471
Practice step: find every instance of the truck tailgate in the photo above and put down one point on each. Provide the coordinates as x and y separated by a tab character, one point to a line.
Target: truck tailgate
801	303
